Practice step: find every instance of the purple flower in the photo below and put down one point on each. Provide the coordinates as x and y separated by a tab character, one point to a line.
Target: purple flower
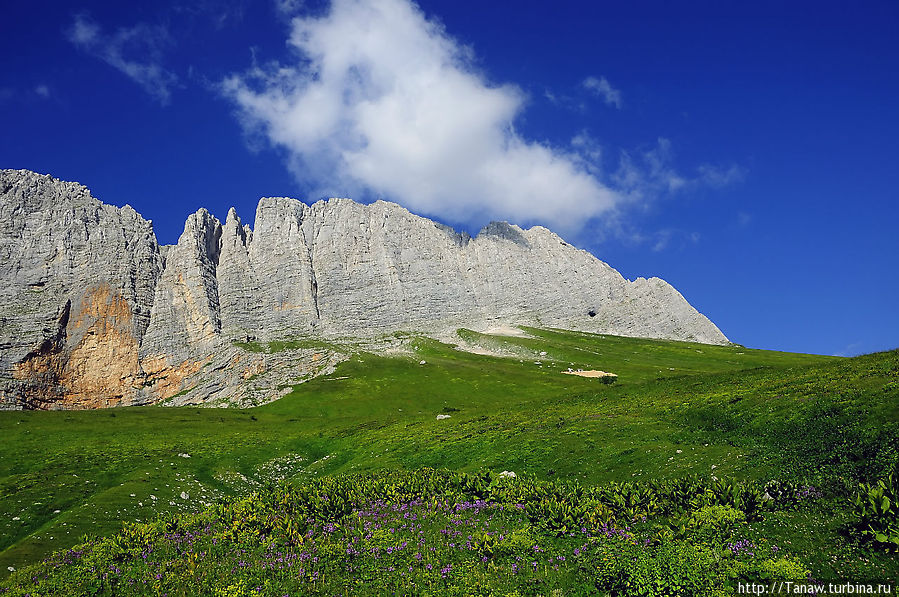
743	546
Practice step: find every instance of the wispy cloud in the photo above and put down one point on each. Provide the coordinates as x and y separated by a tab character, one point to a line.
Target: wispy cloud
717	177
603	89
647	174
219	13
43	91
134	51
664	238
288	8
851	350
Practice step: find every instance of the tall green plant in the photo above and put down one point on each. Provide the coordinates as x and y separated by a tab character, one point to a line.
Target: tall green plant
877	512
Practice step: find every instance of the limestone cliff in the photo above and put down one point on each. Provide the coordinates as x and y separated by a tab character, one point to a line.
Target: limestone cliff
93	312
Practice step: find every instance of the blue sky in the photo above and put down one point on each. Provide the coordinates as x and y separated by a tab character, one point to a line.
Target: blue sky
746	153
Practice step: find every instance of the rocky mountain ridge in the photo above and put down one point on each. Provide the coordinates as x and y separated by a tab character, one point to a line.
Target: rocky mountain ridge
94	312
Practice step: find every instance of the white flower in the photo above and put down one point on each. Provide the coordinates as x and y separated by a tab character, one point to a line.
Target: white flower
507	475
185	495
441	417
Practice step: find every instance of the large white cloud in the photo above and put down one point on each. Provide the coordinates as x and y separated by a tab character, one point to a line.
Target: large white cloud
382	100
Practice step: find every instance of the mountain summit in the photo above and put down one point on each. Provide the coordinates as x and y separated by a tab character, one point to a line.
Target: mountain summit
94	312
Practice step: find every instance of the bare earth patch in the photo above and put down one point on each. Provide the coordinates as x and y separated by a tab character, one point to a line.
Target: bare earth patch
591	373
507	330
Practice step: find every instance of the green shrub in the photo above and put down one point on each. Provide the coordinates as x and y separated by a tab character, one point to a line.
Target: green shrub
876	512
715	522
769	569
669	569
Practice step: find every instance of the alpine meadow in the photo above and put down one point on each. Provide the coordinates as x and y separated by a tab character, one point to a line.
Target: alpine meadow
422	298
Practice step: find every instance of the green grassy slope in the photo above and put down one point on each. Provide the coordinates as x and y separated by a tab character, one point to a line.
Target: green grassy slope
678	408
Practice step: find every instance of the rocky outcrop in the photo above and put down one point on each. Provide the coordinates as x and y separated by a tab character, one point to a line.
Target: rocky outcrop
77	283
93	312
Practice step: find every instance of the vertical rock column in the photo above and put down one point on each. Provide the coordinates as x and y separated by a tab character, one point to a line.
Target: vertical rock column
185	323
280	258
238	286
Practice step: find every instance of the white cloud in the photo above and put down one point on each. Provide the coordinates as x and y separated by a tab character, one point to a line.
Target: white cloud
602	88
145	41
381	99
43	91
377	100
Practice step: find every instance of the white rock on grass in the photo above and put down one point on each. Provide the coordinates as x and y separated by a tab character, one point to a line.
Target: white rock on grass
507	475
441	417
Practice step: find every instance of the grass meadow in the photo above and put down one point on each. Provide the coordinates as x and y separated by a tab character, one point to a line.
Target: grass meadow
698	453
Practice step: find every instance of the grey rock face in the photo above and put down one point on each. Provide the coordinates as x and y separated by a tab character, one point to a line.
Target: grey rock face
280	255
357	269
186	315
93	312
77	281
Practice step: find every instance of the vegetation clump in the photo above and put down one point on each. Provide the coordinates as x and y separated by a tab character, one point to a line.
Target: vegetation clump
876	513
433	532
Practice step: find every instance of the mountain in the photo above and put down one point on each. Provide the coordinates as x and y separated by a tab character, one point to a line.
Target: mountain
94	312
